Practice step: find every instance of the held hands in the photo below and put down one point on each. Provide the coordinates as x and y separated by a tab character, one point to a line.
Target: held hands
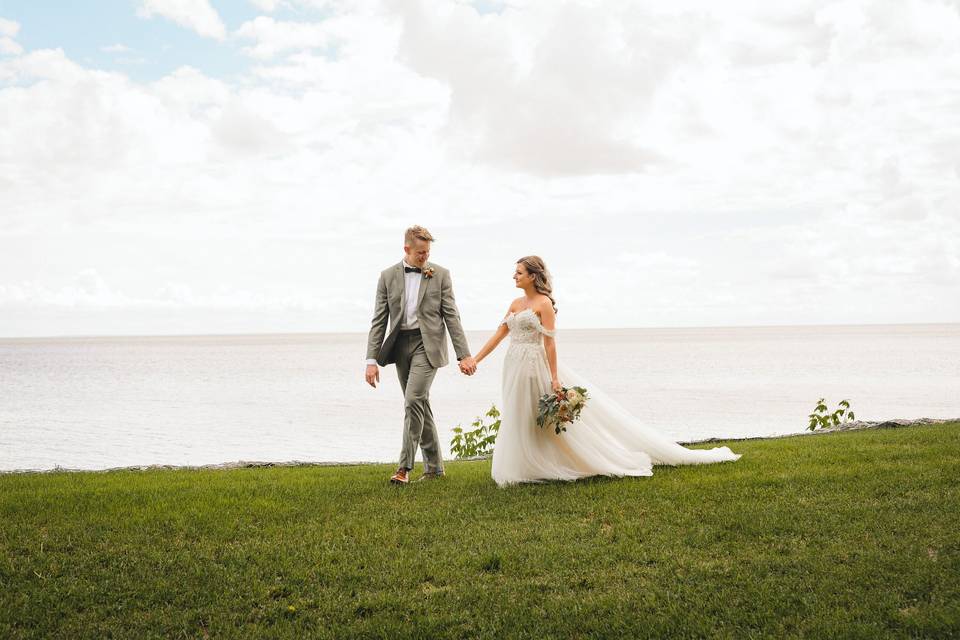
373	375
468	366
556	385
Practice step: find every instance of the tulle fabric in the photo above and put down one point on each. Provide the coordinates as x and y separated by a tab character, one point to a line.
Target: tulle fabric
606	440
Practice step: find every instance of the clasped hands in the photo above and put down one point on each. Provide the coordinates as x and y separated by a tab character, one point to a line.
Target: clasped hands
468	366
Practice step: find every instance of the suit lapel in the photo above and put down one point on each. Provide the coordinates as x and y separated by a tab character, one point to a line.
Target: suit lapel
424	283
398	270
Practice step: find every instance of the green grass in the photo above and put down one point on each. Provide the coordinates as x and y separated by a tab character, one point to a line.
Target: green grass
851	535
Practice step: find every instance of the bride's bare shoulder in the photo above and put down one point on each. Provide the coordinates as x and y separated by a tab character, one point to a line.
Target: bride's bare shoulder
516	305
542	303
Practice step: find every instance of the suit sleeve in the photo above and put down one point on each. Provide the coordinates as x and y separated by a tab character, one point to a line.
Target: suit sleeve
378	326
451	317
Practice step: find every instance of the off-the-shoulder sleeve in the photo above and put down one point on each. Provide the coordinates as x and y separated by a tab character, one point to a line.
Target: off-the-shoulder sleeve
547	332
504	321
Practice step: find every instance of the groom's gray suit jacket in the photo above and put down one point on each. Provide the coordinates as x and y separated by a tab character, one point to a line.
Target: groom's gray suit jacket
436	312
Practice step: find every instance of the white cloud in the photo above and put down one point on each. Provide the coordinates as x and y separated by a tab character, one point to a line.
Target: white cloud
9	28
679	165
273	37
116	48
558	89
269	6
8	31
85	288
88	289
197	15
659	264
565	89
10	47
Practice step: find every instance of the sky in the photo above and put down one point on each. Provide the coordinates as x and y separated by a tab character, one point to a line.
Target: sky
212	167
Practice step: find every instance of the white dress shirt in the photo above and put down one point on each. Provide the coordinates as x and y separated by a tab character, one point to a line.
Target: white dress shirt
411	290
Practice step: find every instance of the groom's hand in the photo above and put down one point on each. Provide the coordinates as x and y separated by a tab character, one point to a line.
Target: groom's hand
468	366
373	375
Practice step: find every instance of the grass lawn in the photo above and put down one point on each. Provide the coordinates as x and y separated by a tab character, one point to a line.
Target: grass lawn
852	535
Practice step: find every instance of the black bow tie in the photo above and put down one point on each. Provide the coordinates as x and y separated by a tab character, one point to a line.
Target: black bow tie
412	269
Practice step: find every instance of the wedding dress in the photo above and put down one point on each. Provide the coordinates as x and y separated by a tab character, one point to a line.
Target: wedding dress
606	440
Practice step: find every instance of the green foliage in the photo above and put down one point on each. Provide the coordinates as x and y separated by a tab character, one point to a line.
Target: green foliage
820	417
479	441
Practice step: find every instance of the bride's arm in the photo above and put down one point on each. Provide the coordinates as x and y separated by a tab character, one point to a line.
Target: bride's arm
496	338
492	343
548	319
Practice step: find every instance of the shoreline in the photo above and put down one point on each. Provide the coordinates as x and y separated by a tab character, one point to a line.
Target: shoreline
857	425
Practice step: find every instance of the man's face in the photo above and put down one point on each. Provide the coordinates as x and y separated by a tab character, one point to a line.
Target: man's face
417	253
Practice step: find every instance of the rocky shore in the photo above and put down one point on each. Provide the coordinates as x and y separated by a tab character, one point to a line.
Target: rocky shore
855	425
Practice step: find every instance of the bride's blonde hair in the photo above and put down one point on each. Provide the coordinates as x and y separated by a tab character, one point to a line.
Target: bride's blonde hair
542	281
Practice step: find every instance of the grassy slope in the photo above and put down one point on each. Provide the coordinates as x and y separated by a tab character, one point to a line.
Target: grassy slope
849	534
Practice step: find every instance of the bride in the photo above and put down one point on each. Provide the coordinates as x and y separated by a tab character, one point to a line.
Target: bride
606	440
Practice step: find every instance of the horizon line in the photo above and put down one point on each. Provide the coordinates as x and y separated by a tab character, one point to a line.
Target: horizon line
315	333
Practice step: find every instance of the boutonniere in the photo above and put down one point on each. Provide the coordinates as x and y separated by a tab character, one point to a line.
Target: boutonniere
428	273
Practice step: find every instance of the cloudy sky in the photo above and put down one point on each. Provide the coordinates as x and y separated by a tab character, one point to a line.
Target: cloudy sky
205	166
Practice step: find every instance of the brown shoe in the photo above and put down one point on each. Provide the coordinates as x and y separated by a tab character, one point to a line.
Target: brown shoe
431	475
400	477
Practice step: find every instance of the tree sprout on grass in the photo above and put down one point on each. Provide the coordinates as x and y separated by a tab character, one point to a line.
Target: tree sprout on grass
820	417
479	441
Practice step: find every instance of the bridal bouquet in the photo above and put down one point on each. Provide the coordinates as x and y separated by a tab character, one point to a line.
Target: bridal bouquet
557	409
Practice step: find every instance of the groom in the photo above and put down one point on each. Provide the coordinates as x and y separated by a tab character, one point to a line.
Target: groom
417	298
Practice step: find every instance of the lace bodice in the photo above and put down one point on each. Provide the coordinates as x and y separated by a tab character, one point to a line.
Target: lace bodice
525	327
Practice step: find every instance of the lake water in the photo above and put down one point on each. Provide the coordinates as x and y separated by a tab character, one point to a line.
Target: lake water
101	402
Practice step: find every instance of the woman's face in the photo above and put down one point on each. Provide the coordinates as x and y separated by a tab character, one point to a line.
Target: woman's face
521	276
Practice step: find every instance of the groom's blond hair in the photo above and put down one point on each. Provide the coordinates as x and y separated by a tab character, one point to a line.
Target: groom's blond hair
416	232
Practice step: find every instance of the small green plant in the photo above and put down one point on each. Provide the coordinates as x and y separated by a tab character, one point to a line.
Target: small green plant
479	441
820	417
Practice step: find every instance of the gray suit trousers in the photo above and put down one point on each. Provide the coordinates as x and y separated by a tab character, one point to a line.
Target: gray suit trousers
416	375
